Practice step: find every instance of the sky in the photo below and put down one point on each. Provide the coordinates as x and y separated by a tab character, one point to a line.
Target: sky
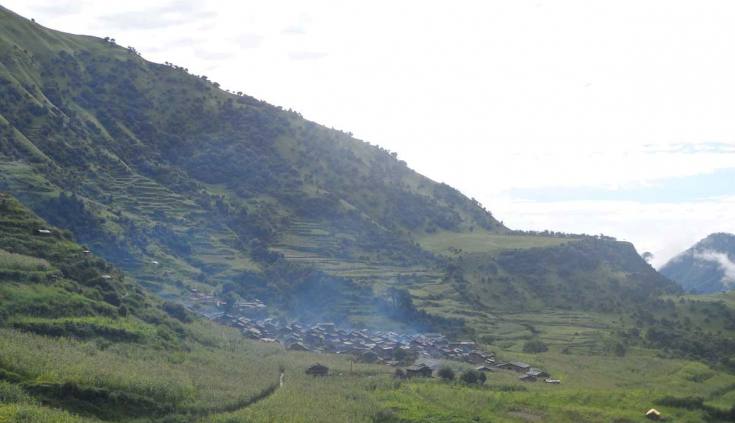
612	117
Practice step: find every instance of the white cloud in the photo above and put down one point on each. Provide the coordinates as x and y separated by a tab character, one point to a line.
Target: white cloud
726	265
665	229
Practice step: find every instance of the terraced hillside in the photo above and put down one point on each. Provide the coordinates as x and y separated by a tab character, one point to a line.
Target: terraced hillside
147	163
50	285
184	185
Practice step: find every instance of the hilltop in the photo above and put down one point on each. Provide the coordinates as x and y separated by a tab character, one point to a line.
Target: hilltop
707	267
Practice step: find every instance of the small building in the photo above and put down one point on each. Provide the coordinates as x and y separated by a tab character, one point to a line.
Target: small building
552	381
43	232
475	357
653	414
519	366
106	277
297	346
252	333
537	372
369	357
418	370
317	370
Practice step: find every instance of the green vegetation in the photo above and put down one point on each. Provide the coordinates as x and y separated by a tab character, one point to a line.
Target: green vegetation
593	389
145	162
182	185
534	346
480	241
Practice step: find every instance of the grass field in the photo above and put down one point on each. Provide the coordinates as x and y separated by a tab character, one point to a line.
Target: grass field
225	378
484	242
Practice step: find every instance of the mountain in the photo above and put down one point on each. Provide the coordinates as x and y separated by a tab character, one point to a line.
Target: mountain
189	192
186	186
145	162
707	267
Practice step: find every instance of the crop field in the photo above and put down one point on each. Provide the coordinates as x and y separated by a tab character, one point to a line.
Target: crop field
14	261
222	377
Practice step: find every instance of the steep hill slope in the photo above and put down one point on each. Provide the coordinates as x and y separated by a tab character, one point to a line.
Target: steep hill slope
52	286
185	185
147	162
707	267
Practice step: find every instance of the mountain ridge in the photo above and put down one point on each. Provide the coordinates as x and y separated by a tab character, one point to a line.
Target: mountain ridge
147	163
706	267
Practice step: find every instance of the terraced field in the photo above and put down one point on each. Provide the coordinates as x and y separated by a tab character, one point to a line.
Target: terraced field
485	242
316	244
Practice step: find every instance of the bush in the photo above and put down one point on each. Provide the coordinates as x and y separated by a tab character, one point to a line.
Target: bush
473	377
534	346
690	403
487	339
177	311
446	373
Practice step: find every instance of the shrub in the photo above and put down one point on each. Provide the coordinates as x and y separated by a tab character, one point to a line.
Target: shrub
534	346
177	311
487	339
446	373
473	377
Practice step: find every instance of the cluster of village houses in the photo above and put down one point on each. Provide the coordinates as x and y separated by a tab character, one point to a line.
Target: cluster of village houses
418	351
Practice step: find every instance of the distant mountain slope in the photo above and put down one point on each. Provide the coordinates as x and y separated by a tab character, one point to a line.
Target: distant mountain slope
707	267
578	273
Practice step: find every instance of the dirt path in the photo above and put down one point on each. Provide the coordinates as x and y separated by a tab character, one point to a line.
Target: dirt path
265	393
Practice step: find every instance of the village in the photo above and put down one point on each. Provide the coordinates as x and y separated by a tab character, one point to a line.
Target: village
418	353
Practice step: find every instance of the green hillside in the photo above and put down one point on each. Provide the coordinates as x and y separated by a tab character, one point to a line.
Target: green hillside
164	163
146	163
183	186
52	286
76	346
143	179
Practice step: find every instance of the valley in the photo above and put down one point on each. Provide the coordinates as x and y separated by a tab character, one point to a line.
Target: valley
172	252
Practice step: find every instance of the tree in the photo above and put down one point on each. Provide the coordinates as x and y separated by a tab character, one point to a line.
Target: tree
230	300
473	377
534	346
446	373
